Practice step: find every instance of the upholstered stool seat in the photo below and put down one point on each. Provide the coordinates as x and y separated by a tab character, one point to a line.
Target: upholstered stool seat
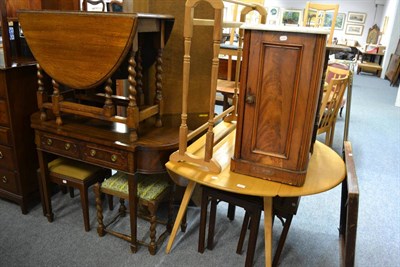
151	191
75	174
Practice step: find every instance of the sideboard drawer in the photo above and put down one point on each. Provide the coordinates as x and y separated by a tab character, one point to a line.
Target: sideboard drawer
5	138
6	158
3	113
59	145
8	181
106	157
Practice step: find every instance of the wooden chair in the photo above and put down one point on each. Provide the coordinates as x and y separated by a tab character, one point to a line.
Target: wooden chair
315	13
283	208
152	191
93	3
74	174
349	209
116	6
80	69
338	70
330	105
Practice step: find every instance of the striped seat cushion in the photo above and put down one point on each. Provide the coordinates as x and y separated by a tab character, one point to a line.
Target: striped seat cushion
149	187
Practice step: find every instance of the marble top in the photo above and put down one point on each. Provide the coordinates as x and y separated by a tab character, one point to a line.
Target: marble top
298	29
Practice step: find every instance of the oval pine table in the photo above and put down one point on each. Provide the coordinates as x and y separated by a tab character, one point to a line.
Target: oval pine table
326	169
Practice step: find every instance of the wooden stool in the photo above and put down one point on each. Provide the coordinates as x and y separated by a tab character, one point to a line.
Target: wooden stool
369	67
74	174
284	209
151	191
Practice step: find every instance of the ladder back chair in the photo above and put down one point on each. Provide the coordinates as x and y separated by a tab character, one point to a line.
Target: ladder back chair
330	105
182	154
315	13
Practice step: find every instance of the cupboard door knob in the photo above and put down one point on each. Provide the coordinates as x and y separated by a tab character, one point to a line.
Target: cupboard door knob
49	142
92	152
4	179
67	146
250	99
114	158
1	155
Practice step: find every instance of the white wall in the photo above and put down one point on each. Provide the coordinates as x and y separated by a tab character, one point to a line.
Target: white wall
374	13
392	34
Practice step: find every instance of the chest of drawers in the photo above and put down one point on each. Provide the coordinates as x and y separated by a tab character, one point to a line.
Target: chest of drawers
18	160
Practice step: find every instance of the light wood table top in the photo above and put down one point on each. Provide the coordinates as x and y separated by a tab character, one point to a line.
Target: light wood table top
326	170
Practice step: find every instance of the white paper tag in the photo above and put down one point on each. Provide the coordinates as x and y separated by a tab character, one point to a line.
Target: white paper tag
283	38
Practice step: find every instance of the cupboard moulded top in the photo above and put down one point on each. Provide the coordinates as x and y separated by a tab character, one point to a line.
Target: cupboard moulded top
302	29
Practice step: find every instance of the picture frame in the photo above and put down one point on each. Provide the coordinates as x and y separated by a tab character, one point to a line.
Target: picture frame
291	17
340	20
356	17
273	16
354	29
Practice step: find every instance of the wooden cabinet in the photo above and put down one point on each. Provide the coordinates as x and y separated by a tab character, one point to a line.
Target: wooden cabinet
279	92
18	160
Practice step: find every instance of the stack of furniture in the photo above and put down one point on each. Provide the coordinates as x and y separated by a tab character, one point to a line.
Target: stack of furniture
77	119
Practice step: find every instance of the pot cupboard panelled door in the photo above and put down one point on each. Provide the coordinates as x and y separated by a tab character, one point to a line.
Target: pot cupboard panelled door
280	83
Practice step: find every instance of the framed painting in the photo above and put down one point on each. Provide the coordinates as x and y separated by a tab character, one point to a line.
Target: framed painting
273	16
356	17
340	19
292	17
354	29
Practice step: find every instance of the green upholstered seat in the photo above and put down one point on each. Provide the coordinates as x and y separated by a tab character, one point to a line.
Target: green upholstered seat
72	168
148	187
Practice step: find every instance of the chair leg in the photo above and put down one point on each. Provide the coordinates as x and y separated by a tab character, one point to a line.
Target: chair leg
170	208
71	192
99	210
183	223
332	133
211	224
254	226
282	240
243	233
203	221
153	224
231	211
122	207
85	208
110	201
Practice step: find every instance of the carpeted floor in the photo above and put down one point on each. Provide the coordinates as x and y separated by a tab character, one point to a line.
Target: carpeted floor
29	240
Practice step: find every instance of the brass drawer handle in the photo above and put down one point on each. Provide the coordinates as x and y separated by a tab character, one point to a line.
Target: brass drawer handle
4	179
49	142
1	155
92	152
67	146
114	158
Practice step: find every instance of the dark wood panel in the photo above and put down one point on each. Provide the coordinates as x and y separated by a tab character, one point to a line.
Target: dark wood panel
281	76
